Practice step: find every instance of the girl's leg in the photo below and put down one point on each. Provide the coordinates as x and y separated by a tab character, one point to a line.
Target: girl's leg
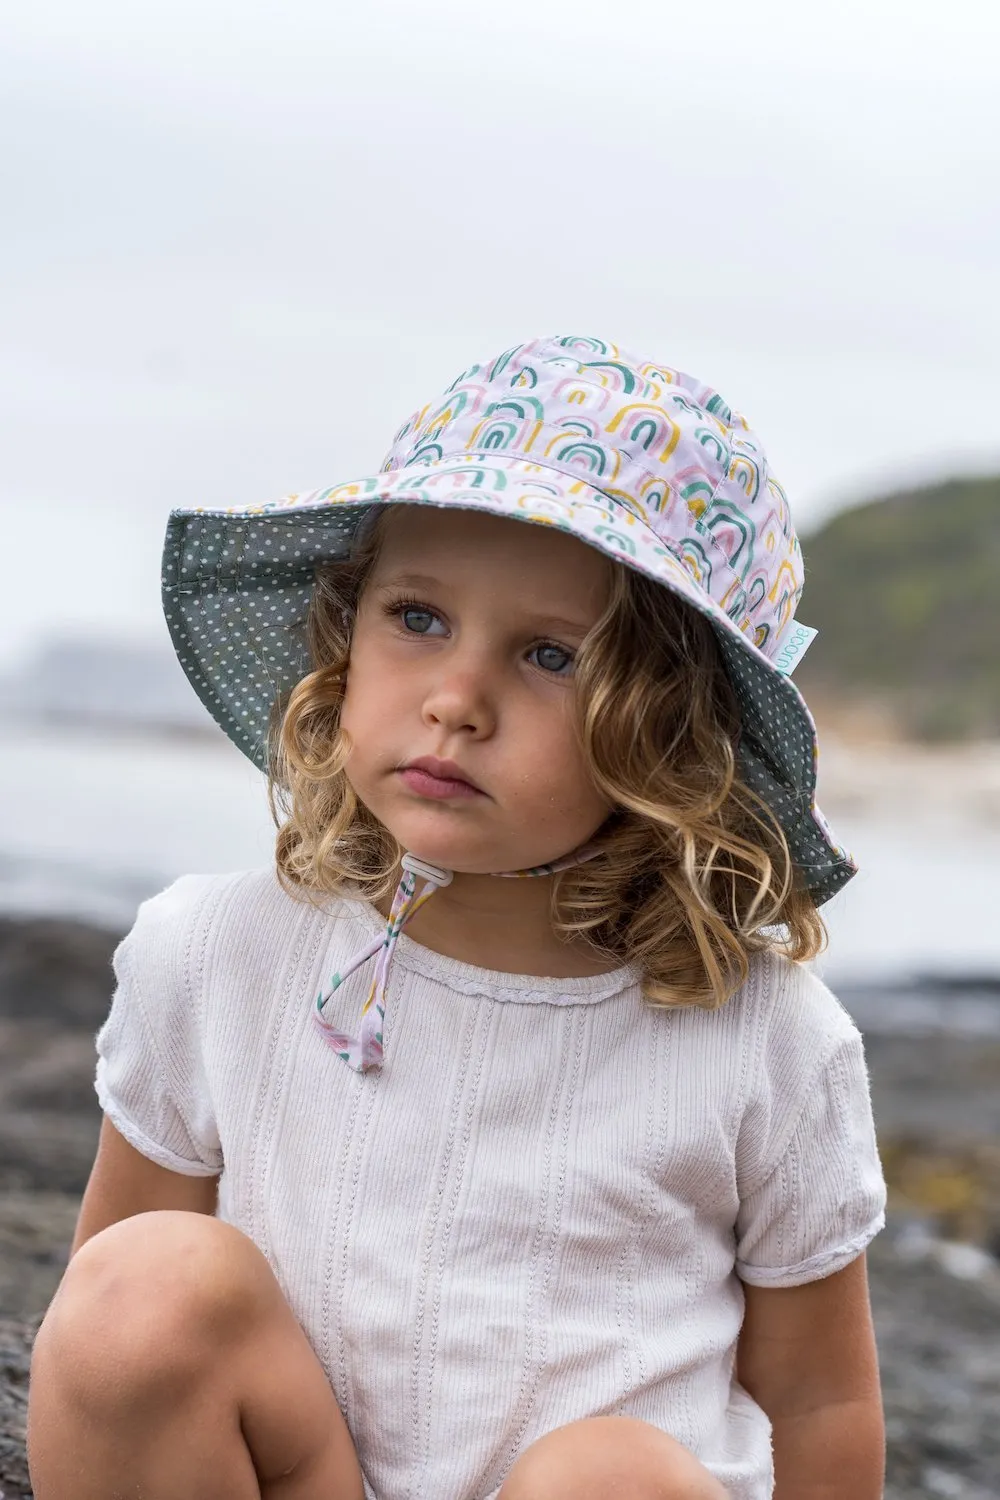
609	1458
169	1364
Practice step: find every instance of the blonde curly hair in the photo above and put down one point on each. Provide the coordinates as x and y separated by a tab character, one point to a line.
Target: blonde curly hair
694	874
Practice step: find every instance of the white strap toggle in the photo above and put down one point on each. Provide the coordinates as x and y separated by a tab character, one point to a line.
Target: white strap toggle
429	872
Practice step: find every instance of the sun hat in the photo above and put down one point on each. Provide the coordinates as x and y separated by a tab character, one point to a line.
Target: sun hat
637	459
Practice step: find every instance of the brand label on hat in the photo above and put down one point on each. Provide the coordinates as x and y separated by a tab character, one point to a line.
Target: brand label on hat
792	647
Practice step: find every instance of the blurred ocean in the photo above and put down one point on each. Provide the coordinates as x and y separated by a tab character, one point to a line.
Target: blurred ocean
92	822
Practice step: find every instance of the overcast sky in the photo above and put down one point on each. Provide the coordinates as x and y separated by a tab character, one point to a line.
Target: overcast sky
242	242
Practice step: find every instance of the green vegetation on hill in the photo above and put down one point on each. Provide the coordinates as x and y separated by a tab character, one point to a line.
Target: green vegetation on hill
905	593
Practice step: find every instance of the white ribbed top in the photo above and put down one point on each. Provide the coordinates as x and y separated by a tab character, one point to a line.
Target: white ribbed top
538	1209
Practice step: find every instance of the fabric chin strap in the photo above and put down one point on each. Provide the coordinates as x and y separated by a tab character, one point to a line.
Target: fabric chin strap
365	1050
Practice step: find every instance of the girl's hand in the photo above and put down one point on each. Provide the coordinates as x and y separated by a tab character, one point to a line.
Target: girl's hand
807	1355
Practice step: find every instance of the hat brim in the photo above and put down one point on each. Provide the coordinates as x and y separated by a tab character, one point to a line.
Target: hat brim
237	585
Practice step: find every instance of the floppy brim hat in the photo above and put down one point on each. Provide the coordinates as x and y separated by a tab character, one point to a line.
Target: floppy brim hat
237	581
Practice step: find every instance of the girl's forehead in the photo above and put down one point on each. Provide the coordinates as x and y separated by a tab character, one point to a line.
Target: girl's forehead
424	546
449	533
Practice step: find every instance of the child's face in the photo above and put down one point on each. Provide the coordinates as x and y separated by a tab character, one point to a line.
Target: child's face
463	650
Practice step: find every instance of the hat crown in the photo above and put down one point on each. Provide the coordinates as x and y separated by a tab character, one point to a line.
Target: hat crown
662	446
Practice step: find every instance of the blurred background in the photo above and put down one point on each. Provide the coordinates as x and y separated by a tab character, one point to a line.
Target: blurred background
242	242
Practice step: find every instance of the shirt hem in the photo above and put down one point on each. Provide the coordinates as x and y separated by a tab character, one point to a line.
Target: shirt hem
161	1155
815	1267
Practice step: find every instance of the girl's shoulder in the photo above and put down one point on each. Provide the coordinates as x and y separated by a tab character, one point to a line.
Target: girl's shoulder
240	912
788	1005
235	890
802	1061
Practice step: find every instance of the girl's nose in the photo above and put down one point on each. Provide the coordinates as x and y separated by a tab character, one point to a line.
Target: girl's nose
461	700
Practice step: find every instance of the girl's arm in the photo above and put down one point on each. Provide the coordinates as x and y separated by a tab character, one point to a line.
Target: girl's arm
807	1356
123	1182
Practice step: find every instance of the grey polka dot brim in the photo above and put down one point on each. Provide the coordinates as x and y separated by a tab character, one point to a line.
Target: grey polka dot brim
236	591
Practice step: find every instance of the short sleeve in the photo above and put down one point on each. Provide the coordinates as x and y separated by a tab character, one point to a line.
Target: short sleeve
150	1078
817	1195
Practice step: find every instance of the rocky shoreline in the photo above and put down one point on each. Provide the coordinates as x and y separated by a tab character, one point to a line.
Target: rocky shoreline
935	1275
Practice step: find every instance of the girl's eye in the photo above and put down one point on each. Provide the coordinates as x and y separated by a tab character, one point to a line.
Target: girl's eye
416	617
558	668
417	621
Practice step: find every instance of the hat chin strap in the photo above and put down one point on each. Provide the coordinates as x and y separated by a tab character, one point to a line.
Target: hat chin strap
365	1050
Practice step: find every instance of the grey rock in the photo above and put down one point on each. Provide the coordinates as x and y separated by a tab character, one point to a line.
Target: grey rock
16	1338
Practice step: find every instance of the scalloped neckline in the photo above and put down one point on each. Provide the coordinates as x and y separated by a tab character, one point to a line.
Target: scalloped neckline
495	984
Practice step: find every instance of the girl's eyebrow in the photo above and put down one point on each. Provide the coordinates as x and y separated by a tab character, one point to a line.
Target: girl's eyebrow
426	581
409	581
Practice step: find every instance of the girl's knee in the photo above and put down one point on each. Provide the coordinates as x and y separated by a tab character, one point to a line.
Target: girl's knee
604	1458
155	1297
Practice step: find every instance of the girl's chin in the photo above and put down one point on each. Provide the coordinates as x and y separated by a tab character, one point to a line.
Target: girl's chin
464	861
437	836
459	862
462	856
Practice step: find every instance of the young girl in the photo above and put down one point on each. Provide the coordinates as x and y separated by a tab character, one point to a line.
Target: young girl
564	1190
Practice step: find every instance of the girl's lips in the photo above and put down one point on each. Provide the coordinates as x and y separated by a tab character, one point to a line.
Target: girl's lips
440	787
